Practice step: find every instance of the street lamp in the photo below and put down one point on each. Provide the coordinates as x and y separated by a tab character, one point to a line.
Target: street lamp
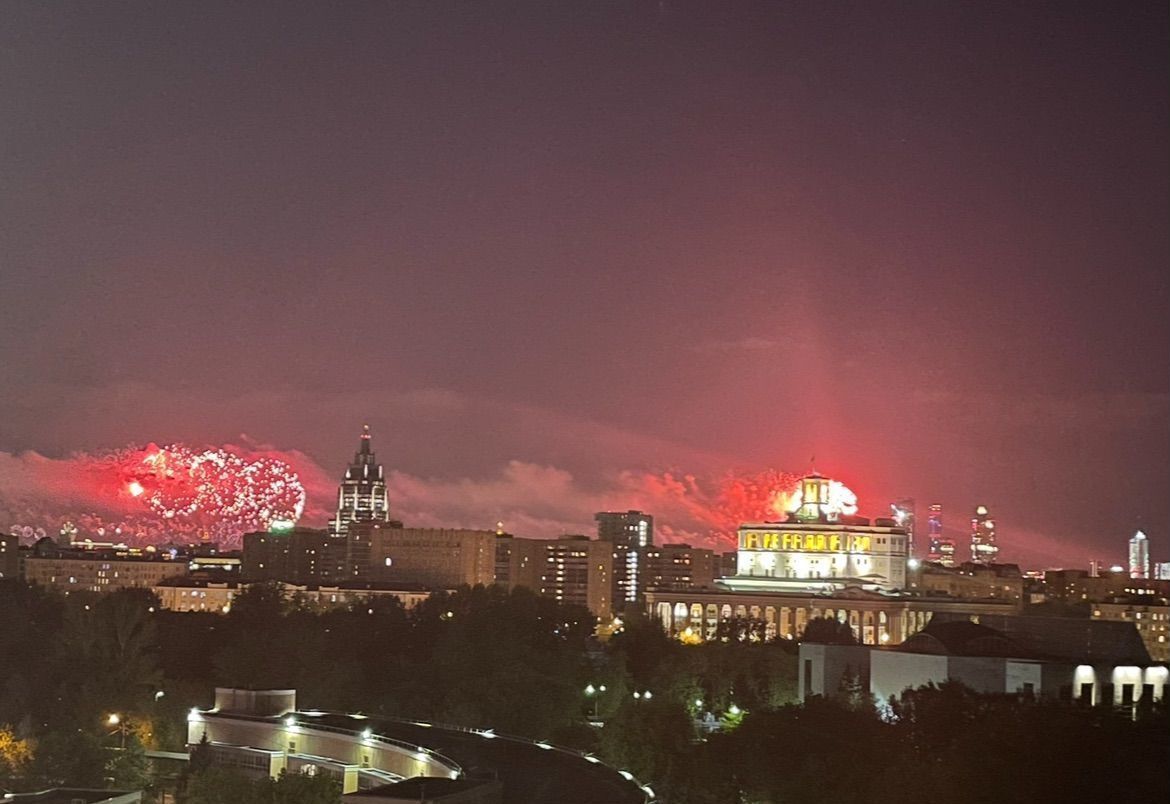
594	693
115	720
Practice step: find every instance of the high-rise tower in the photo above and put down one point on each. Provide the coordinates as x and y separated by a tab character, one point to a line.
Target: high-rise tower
941	549
984	550
361	497
1139	556
630	532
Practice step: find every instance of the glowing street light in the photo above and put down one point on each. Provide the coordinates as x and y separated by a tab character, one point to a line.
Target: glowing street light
114	720
594	693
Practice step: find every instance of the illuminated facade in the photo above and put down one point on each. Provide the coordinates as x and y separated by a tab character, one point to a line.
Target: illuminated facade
874	618
362	495
181	594
630	533
261	733
819	549
940	549
818	563
571	569
1139	556
984	550
680	566
73	572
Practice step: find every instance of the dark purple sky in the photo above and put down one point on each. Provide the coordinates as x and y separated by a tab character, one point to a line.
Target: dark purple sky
925	242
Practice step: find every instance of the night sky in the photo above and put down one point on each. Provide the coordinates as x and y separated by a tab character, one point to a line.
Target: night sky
565	255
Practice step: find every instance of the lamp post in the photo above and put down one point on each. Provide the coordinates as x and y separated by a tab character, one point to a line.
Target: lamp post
594	693
115	720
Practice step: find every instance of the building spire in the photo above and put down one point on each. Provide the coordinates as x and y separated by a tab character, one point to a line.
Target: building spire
362	495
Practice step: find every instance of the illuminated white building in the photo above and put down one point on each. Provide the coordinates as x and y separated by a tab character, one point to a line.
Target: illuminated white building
1139	556
820	549
361	496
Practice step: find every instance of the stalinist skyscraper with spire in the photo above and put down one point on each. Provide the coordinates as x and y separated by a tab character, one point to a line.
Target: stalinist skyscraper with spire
361	497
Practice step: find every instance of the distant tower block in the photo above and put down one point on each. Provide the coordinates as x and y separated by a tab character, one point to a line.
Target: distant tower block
940	549
630	532
1139	556
983	547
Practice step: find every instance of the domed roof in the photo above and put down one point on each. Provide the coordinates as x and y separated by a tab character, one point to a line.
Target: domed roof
963	638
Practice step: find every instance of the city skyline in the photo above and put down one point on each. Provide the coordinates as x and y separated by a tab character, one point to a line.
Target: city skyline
706	516
567	266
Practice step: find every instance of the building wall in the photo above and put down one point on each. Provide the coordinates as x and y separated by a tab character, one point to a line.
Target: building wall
573	570
679	566
795	551
874	618
1023	677
298	555
822	667
579	571
218	597
1078	585
213	597
629	533
99	574
1096	685
9	557
303	740
435	557
977	582
891	673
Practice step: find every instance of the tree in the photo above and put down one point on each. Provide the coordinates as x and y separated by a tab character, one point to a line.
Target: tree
651	739
852	692
219	786
828	631
300	788
126	768
15	756
70	757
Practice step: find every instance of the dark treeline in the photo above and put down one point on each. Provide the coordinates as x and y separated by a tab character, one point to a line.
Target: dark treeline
513	661
522	664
